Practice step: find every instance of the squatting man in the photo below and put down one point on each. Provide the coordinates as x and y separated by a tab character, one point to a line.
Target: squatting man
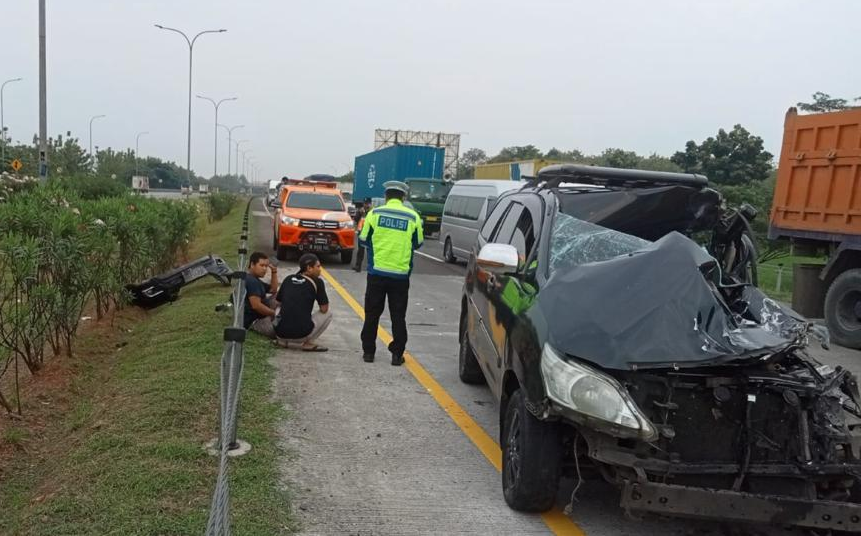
294	322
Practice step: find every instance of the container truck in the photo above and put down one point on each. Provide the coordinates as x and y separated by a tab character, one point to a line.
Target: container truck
203	189
512	171
817	206
421	167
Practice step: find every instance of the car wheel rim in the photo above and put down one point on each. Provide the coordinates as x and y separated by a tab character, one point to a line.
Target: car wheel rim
513	452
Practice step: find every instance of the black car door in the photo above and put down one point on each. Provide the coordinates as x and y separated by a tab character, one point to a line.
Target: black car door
477	284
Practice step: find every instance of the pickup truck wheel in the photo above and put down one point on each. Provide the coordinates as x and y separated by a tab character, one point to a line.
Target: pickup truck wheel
843	309
346	256
531	458
448	252
281	253
468	369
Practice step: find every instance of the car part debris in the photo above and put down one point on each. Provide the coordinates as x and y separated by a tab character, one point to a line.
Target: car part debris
165	287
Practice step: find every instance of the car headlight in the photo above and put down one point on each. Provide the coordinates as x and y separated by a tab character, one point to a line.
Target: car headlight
287	220
591	393
347	224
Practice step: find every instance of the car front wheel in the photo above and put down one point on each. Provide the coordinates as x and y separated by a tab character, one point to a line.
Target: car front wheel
531	458
468	369
448	252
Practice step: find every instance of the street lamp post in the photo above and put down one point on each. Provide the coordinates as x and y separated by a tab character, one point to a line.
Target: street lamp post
216	105
238	143
229	141
137	146
2	122
244	161
91	135
190	57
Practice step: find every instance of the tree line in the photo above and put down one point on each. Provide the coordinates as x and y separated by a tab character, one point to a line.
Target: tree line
66	158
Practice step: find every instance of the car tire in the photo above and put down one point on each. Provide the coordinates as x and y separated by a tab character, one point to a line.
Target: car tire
531	458
448	252
347	256
281	253
468	369
843	309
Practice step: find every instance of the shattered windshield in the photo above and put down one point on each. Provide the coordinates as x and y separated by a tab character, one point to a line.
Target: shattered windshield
574	242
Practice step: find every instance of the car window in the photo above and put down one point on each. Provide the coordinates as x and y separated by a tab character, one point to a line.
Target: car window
493	218
454	206
523	237
314	201
508	224
574	242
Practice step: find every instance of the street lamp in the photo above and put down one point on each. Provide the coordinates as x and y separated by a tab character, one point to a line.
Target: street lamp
137	145
244	162
229	138
216	104
2	123
238	143
190	56
91	134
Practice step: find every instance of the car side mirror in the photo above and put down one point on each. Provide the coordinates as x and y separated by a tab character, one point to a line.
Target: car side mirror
500	259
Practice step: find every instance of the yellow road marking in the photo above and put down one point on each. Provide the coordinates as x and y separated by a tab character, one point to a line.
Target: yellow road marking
556	521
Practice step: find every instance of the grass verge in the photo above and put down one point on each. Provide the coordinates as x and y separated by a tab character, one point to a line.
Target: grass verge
119	449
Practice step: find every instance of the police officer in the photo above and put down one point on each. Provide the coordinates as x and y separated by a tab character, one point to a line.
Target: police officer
391	233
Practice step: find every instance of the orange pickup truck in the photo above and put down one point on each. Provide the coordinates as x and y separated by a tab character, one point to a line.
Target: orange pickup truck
312	217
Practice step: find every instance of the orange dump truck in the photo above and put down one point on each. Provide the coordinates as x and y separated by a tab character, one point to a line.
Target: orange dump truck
817	205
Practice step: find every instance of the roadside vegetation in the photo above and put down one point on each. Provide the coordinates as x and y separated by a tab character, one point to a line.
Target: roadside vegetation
107	436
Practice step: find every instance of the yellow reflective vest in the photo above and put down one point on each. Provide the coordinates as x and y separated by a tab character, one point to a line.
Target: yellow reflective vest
391	233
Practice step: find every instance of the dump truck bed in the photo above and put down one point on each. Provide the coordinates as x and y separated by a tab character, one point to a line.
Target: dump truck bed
818	190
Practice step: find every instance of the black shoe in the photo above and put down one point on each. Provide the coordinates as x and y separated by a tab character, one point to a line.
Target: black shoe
368	358
397	360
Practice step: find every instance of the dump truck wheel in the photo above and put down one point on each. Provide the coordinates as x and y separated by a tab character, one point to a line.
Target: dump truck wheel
843	309
531	458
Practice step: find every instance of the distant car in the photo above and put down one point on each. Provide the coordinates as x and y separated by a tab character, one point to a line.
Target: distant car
615	342
272	193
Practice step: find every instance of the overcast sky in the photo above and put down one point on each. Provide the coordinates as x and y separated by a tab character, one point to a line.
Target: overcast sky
314	78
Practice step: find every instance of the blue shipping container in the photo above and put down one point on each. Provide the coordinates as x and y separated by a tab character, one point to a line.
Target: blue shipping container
395	163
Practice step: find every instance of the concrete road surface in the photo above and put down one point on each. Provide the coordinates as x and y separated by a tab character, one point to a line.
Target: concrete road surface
376	449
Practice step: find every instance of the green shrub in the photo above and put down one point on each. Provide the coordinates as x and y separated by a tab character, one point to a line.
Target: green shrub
62	247
94	186
220	204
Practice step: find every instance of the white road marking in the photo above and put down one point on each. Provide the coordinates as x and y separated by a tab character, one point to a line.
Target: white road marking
429	256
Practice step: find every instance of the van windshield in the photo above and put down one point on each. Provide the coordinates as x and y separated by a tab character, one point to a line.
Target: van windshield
314	201
428	191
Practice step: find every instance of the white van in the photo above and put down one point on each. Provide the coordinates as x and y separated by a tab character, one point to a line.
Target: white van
466	207
272	193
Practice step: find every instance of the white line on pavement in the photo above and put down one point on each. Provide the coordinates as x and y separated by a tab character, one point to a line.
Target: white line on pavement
429	257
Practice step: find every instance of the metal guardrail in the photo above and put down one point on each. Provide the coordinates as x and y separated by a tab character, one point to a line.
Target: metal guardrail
232	360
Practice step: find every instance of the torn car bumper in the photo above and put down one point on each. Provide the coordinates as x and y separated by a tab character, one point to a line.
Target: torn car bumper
724	505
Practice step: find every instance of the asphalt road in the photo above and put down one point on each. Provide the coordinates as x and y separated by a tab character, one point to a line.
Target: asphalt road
375	449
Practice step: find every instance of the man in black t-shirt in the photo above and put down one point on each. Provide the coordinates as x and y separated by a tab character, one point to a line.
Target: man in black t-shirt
298	322
259	304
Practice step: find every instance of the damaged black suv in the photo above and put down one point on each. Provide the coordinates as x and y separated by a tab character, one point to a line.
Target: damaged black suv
614	314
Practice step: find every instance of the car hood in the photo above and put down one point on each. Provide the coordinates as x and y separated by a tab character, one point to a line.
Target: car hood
315	214
659	307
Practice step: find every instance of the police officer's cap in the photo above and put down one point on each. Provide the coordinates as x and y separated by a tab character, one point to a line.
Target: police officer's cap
397	186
